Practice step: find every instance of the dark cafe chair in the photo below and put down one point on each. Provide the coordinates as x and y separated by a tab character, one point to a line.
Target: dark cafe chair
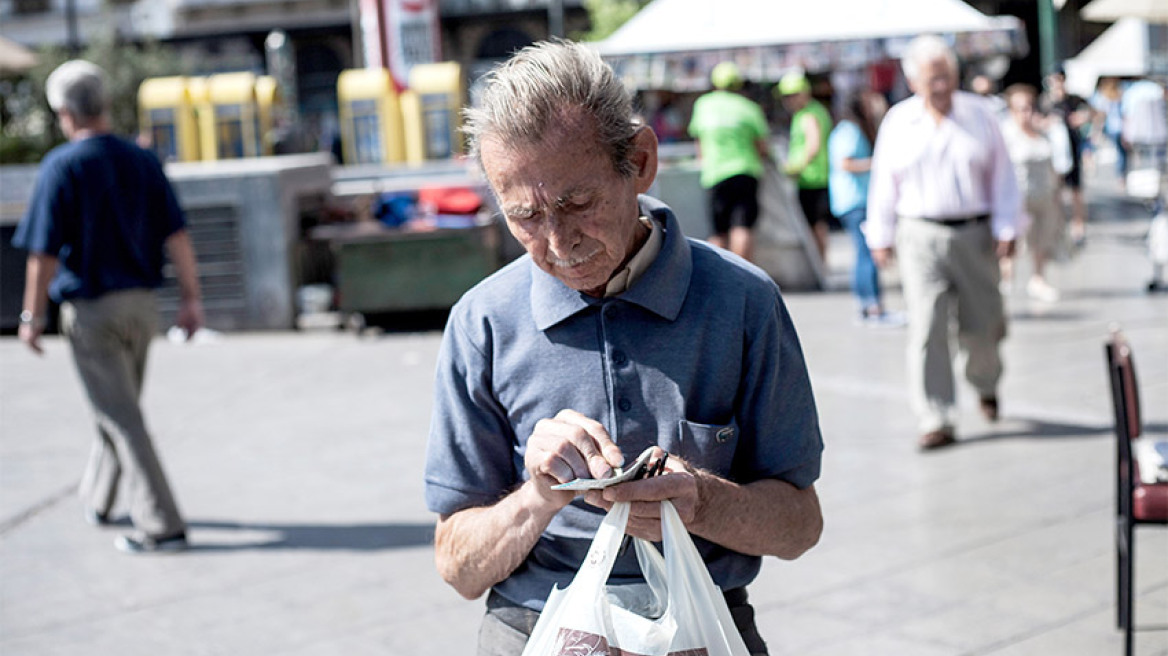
1137	503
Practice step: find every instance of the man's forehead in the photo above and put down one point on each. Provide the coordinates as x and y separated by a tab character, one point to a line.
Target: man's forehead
555	166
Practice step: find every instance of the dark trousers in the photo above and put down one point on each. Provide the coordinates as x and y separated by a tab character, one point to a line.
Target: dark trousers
506	626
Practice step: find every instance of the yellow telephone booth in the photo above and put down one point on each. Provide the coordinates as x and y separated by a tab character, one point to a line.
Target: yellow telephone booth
430	111
234	117
267	91
166	113
370	115
197	87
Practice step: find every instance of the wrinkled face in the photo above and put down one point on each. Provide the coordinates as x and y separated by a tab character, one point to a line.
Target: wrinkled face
568	207
935	82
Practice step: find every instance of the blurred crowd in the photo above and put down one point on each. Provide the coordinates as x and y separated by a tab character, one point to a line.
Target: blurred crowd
1053	136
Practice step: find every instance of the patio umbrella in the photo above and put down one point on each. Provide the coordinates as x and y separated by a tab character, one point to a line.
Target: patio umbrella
15	58
1104	11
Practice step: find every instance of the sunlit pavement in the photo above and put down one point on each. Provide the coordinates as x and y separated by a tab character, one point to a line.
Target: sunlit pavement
297	458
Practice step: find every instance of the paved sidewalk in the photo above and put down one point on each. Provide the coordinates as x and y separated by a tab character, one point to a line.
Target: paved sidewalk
297	458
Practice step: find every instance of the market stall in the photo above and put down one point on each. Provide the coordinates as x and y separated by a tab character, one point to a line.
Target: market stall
673	44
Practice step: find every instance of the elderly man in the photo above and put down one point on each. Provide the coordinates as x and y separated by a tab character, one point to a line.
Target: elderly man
614	333
943	190
101	220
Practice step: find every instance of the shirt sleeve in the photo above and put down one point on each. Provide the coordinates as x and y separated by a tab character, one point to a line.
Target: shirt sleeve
760	122
40	231
883	190
469	455
781	434
1005	198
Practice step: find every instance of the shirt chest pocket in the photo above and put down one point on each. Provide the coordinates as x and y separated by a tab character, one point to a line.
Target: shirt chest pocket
707	446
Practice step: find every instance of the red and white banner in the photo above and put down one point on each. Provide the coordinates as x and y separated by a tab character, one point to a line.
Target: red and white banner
398	34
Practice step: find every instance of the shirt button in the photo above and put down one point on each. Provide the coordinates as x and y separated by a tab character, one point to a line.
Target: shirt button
619	358
625	405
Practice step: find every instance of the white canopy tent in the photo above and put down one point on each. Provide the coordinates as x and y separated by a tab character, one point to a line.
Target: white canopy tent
674	43
1155	11
691	25
1130	47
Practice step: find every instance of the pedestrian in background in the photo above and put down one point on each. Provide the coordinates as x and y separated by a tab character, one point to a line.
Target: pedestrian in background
613	334
1077	116
943	191
985	87
101	220
1107	101
1040	160
731	133
807	159
1145	124
849	150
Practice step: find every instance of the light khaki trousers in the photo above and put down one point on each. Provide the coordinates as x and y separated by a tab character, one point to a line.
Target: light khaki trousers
110	336
949	276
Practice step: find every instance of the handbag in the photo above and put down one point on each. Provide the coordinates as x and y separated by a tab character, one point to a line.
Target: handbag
678	611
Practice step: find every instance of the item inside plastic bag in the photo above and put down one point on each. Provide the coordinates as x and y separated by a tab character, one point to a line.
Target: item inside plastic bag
678	611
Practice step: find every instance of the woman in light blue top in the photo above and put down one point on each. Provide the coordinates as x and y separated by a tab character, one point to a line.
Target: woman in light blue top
849	149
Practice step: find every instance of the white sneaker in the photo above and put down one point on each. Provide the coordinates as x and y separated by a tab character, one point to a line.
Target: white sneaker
139	544
1040	290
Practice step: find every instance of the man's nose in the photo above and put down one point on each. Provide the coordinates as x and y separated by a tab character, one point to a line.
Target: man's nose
562	236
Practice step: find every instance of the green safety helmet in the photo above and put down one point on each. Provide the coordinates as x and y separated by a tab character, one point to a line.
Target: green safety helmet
726	76
792	83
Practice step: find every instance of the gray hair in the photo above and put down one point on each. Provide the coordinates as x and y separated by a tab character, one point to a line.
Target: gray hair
78	87
542	87
924	49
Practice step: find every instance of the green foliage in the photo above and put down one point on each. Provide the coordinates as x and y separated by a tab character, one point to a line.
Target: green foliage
607	16
28	127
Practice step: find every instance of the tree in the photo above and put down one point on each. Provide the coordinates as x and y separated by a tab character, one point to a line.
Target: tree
606	17
28	128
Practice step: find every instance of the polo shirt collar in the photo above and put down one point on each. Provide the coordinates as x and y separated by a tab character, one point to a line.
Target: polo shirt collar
661	289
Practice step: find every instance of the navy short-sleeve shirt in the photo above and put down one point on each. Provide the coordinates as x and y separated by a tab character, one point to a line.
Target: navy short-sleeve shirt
699	356
103	207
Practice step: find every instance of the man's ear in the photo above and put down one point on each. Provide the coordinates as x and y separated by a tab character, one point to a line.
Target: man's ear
644	158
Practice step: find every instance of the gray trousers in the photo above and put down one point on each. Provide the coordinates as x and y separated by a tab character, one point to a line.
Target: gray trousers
506	627
949	273
110	336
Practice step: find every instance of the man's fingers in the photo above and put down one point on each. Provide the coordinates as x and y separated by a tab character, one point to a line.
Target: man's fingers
598	450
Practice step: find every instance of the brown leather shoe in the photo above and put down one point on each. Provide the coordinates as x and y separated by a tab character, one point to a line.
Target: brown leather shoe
936	439
989	407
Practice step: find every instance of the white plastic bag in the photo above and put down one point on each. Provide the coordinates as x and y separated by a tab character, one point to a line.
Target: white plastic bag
678	612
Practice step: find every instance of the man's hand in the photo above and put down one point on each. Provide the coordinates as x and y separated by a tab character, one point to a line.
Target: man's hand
190	316
1004	249
567	447
30	334
882	256
678	483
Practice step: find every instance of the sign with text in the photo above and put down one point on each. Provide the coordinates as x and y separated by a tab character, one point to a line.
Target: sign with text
399	34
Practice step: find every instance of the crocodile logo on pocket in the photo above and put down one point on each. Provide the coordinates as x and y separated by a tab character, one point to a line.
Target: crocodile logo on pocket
724	434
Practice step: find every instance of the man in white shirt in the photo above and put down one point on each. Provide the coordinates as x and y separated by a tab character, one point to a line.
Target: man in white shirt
943	193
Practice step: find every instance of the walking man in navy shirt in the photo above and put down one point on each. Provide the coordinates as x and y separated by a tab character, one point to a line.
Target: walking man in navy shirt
102	220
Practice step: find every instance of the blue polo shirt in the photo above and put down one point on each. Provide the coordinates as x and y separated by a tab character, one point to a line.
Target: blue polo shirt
103	207
699	356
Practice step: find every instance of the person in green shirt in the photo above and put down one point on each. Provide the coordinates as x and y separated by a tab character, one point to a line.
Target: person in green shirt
807	157
731	133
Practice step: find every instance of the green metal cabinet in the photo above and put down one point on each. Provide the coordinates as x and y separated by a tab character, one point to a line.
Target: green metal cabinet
408	271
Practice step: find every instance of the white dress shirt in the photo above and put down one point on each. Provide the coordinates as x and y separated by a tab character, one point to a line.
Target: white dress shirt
958	167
